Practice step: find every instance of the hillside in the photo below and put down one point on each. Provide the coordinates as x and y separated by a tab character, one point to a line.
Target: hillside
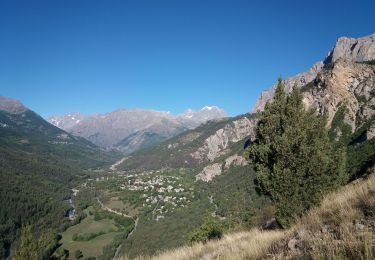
39	165
340	228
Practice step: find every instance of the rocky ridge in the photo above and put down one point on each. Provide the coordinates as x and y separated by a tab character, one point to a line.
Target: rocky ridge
344	84
348	49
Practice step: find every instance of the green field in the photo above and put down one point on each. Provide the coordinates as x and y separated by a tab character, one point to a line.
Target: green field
94	246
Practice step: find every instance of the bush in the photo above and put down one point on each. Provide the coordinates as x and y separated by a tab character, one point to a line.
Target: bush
210	229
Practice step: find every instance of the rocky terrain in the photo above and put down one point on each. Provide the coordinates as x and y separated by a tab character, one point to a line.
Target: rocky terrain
346	85
348	49
131	129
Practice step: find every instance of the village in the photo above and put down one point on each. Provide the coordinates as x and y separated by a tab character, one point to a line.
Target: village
159	192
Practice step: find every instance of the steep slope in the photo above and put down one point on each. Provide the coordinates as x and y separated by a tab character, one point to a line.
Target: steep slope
39	163
131	129
26	131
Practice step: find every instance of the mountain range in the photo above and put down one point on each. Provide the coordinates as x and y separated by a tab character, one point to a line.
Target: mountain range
128	130
199	151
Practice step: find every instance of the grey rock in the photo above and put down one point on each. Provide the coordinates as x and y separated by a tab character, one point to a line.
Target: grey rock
298	80
292	244
235	160
216	145
354	50
271	224
347	49
209	172
370	132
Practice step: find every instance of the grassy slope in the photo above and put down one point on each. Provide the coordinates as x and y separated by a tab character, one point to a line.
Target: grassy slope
93	247
342	227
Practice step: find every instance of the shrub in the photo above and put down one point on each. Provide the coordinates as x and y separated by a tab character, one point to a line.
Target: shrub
210	229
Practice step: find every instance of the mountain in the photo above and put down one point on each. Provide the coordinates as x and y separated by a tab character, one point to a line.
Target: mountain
25	130
39	164
349	49
131	129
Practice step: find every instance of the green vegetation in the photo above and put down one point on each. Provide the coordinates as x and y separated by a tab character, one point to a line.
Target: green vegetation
361	152
370	62
98	235
210	229
175	152
39	164
293	157
35	248
340	131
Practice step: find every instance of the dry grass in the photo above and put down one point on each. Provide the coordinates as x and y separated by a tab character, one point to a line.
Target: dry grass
249	245
342	227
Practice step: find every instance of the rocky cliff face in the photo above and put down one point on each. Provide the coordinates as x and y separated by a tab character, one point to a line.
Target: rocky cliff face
299	80
345	84
348	49
354	50
216	145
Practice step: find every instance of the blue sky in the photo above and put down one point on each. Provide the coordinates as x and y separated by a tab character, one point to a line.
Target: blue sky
96	56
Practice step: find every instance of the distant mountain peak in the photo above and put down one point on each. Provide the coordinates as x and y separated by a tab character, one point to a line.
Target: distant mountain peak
128	126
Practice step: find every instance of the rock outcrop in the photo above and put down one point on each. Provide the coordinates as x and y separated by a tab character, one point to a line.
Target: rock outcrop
209	172
298	80
216	145
346	84
346	49
235	160
354	50
370	132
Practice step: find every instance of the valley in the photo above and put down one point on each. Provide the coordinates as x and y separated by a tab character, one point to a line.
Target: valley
291	178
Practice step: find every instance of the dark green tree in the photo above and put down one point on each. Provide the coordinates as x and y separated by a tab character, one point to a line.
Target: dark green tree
293	156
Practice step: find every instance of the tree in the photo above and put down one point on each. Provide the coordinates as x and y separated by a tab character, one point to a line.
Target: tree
28	248
293	157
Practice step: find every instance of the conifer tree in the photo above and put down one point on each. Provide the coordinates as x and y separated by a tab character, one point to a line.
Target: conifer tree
28	248
293	157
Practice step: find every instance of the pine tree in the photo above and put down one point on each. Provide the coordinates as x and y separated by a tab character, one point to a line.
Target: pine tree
293	157
28	248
